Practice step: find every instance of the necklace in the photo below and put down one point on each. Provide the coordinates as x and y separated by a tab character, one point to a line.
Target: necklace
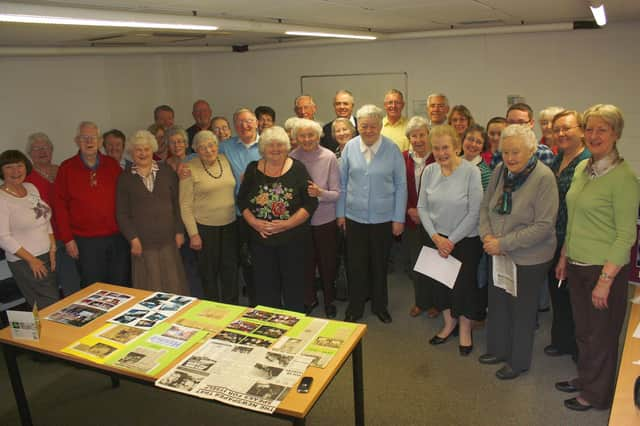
12	192
211	174
44	174
279	173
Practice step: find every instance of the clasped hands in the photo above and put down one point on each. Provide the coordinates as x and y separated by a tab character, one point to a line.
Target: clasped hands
491	245
444	245
268	228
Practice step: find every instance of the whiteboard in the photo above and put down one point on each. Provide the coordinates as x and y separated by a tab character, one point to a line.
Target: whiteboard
367	88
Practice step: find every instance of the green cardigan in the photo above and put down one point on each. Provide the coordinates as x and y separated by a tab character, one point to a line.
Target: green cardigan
602	216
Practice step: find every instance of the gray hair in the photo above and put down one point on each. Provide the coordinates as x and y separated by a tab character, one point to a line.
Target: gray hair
88	124
346	122
203	136
142	137
370	111
416	122
344	92
304	123
240	111
295	101
273	134
173	131
521	132
438	95
549	112
394	92
290	123
38	136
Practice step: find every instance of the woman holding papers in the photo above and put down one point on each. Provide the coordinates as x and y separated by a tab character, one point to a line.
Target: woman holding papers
448	206
517	219
602	210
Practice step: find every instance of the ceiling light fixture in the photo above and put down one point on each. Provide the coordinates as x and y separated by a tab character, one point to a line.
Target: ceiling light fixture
331	35
597	9
60	20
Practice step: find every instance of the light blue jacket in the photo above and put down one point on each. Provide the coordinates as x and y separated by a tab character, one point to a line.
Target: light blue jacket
374	192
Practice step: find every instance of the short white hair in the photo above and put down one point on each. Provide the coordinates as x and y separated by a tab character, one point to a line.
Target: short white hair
38	136
142	137
273	134
521	132
204	136
305	123
84	124
290	123
370	111
549	112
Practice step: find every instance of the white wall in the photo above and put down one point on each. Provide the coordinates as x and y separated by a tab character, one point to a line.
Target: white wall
571	69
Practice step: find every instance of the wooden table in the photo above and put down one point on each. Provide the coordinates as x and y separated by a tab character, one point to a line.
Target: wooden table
55	336
624	411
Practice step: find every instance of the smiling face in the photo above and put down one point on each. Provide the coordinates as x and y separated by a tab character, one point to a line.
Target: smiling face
493	132
599	137
177	146
246	126
419	140
444	151
369	129
88	141
114	147
142	155
567	133
437	109
221	129
305	108
264	122
307	138
41	153
472	145
207	151
202	114
14	173
393	104
275	151
343	133
459	122
164	118
343	105
515	154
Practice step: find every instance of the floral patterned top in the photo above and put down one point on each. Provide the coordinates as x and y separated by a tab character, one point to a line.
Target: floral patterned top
277	198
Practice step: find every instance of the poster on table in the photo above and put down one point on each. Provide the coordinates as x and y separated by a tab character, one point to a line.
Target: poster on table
85	310
152	310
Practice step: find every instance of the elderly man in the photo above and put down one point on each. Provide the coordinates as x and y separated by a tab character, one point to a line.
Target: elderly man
240	151
164	116
522	114
114	141
304	107
437	109
201	113
221	128
394	124
85	211
343	106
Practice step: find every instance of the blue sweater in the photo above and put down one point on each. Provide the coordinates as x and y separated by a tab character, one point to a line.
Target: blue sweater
374	192
239	157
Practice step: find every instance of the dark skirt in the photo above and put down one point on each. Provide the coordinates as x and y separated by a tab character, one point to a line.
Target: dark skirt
159	269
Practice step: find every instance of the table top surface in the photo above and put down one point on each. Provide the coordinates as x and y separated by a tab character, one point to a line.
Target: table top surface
56	336
623	411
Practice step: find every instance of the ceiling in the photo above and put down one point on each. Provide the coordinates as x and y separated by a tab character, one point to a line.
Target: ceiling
253	23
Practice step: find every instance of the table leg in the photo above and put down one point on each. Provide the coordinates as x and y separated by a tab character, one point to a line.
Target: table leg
115	381
299	421
358	386
16	384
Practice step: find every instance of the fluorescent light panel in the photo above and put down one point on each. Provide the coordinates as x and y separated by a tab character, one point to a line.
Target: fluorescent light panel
330	35
60	20
599	15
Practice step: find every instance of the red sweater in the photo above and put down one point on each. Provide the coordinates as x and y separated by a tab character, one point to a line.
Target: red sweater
81	209
412	194
47	193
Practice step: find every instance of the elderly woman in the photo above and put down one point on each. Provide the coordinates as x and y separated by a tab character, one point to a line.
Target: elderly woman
545	119
163	150
474	143
43	175
275	201
371	210
602	207
288	125
569	138
460	118
448	205
342	131
495	126
324	185
221	128
416	159
25	232
517	218
177	140
209	213
149	218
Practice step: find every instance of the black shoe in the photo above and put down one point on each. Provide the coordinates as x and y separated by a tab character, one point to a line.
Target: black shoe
309	308
490	359
551	350
507	373
384	316
330	310
465	350
349	317
437	340
574	404
566	387
547	309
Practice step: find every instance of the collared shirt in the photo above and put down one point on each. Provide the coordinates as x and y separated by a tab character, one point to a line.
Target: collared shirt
396	132
149	179
369	151
543	153
419	163
239	155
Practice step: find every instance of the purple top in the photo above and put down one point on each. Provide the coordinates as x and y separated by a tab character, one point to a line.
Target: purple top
322	166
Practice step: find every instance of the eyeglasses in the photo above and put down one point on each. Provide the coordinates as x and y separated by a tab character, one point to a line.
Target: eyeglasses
93	178
247	121
565	130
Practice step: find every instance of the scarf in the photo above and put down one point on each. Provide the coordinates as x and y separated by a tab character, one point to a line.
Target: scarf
511	183
604	165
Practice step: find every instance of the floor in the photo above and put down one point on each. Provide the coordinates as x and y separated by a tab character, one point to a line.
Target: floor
407	382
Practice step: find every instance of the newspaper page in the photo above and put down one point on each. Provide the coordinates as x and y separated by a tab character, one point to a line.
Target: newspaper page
83	311
505	274
210	316
153	310
251	377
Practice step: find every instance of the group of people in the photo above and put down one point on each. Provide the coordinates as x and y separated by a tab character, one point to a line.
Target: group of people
189	209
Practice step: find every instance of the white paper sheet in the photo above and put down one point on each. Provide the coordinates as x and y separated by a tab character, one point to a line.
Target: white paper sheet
505	274
636	333
431	264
